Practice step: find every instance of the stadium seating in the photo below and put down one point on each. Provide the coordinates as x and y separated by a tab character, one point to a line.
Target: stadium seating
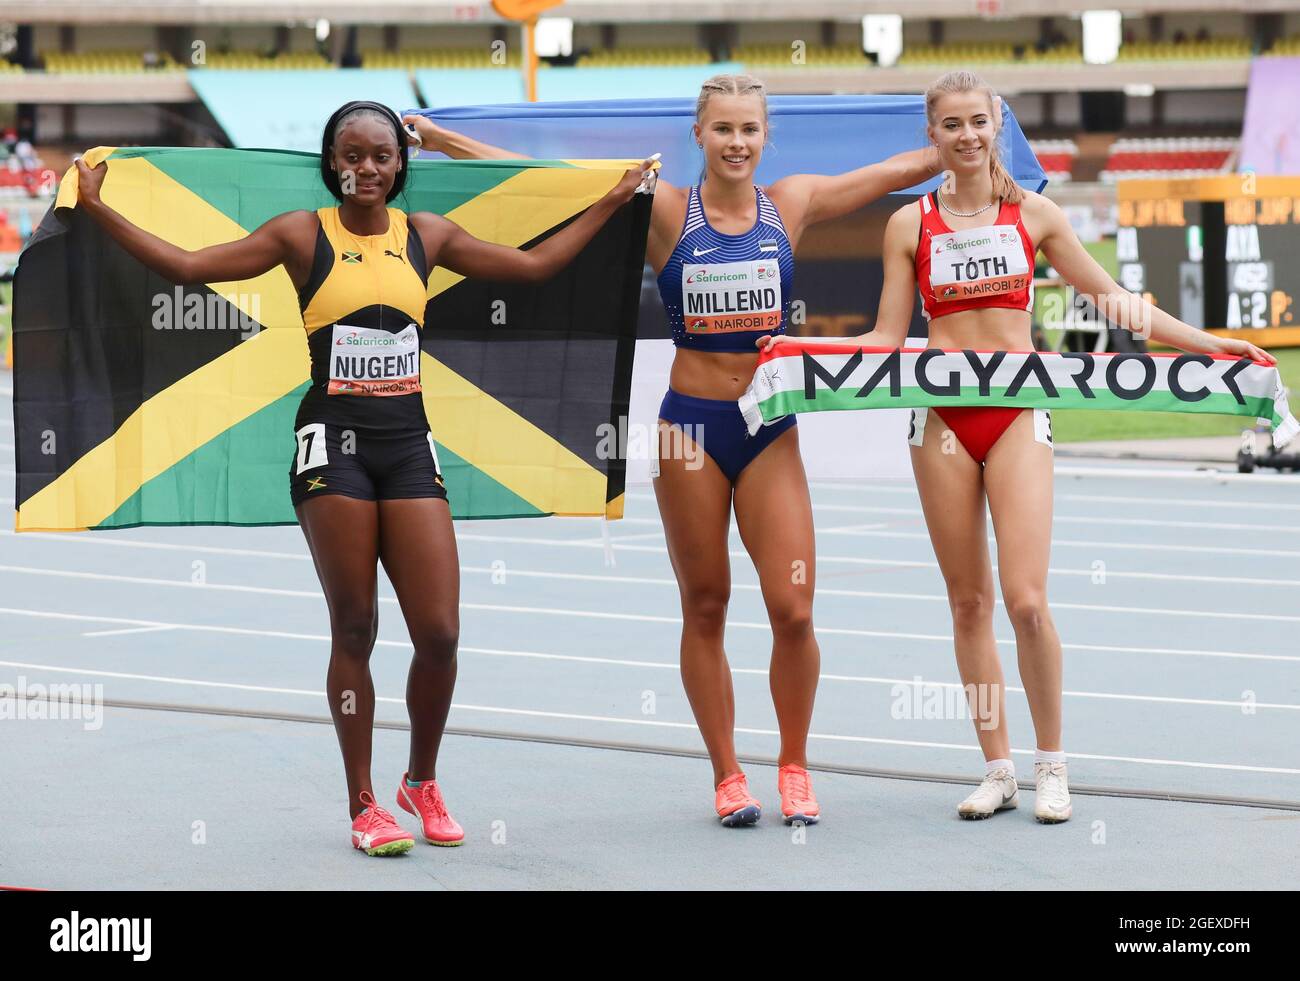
19	183
413	59
7	67
1061	54
1287	46
1185	157
107	62
285	61
1214	48
957	53
1056	157
659	57
756	56
119	62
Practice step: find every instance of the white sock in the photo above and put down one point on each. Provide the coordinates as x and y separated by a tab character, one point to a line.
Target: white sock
991	765
1049	756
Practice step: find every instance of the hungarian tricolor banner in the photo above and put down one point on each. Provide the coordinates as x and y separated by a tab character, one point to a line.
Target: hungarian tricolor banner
798	376
138	402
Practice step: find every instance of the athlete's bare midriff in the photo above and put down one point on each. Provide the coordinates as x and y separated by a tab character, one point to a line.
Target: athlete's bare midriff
992	329
712	374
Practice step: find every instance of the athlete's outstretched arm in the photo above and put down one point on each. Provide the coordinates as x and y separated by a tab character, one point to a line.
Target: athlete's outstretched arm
458	146
899	291
898	294
665	219
450	246
805	199
260	251
1069	258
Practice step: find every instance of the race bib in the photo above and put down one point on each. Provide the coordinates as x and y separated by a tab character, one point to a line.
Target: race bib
732	296
978	262
365	361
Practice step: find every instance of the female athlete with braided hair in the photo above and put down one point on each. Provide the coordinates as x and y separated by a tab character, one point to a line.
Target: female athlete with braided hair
365	480
724	255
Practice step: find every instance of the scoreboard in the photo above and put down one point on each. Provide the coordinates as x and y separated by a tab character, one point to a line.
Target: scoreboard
1222	253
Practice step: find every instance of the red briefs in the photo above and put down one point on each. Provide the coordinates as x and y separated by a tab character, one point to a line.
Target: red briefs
978	427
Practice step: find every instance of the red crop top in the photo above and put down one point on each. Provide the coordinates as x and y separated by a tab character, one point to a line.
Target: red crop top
987	266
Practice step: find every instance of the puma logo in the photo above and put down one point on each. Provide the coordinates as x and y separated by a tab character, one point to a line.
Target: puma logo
395	255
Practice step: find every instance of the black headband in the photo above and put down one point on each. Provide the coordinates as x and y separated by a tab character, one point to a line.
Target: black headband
327	142
343	110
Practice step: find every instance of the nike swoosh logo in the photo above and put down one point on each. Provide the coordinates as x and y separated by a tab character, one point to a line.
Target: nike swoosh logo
700	252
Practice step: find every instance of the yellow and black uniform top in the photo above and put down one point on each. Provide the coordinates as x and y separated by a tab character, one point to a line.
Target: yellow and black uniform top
363	307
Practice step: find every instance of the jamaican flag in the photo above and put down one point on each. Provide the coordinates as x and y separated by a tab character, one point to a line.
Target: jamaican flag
139	402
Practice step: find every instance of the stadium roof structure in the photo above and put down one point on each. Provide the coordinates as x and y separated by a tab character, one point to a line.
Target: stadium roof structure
603	11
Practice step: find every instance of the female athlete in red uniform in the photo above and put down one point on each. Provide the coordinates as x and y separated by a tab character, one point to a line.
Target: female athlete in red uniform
1003	455
969	249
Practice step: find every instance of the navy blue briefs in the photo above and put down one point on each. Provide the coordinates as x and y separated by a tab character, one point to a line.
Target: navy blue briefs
717	426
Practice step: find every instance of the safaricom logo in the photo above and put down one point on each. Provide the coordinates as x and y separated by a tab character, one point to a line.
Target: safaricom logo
972	243
704	276
356	340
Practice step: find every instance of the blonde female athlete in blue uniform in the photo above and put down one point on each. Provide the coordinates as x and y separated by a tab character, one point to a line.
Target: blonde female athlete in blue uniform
365	480
724	255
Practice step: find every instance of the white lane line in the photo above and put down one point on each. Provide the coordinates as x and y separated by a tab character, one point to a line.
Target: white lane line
873	531
1071	543
865	531
1093	521
874	594
1157	500
819	507
569	716
580	543
1175	502
888	635
127	630
914	682
88	538
75	538
1209	475
508	571
594	614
